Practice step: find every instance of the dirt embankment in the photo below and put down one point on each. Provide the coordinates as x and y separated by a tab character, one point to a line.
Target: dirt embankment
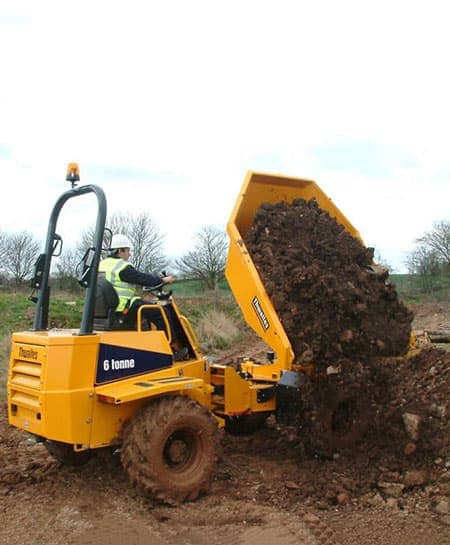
343	314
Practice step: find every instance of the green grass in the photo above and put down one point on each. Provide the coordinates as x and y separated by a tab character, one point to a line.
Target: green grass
416	289
17	314
214	315
193	288
216	309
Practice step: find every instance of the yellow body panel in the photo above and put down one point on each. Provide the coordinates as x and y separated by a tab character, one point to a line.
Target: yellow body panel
240	396
116	402
145	386
52	391
241	272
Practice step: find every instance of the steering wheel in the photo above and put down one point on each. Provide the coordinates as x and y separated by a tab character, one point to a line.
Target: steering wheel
158	290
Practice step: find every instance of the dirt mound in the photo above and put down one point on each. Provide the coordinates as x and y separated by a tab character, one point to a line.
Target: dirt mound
322	285
415	403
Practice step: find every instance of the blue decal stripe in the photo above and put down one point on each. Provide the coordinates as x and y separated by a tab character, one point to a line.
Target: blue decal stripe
117	362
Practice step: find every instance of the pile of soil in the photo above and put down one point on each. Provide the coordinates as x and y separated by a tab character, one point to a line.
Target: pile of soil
414	404
351	324
321	282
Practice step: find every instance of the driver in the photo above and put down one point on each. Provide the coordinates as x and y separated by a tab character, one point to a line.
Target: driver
124	277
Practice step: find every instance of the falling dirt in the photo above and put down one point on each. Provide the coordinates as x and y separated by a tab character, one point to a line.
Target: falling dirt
322	284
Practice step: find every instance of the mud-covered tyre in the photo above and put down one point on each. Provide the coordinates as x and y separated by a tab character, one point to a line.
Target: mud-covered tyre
64	453
246	424
170	449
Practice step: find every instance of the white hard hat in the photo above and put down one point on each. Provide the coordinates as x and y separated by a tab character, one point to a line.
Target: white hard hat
120	241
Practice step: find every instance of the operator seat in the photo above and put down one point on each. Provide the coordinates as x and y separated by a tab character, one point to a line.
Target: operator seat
106	300
107	319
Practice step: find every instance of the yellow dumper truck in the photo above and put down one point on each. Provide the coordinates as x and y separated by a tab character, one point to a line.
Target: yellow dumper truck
104	385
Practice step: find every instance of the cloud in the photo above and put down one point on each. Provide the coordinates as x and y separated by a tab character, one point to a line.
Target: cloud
167	105
367	158
5	152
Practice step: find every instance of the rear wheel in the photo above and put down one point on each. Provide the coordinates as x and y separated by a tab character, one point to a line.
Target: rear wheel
64	453
246	424
170	449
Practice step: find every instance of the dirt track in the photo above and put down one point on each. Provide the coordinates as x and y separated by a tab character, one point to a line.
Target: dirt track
266	489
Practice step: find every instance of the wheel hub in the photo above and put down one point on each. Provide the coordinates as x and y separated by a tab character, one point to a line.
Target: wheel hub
179	449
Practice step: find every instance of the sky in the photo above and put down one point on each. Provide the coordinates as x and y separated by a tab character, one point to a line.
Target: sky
167	105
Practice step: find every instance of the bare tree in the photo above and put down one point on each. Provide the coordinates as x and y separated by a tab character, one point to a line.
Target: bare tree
431	256
207	261
66	267
2	245
147	241
438	241
20	251
423	263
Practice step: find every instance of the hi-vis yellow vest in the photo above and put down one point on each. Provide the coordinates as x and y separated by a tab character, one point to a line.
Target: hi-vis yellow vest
111	267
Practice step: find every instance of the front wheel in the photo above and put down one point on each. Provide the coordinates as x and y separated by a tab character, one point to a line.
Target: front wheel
170	449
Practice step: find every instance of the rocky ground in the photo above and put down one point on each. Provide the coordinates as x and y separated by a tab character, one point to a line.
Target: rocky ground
394	488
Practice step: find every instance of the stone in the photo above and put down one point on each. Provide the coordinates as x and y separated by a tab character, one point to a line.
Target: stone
439	411
375	500
343	498
410	448
415	477
391	477
311	518
392	503
394	490
444	488
442	507
412	422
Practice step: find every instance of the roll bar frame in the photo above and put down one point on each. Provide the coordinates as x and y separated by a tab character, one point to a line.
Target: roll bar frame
41	313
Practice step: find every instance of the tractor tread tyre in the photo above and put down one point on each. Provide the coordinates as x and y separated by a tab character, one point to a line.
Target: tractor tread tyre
170	449
64	453
246	424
